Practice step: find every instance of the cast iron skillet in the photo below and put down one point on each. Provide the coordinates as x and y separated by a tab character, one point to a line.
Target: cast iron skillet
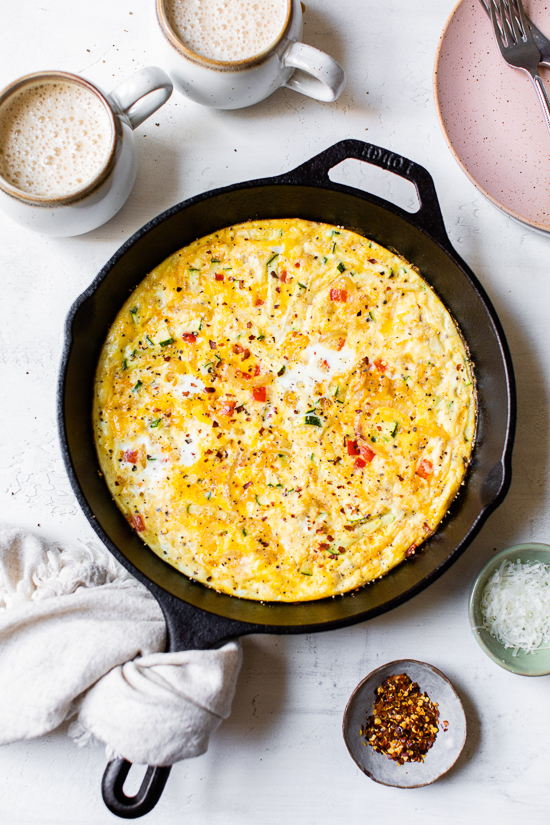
196	616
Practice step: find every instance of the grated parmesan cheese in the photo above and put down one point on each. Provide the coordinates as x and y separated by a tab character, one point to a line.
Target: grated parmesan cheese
515	606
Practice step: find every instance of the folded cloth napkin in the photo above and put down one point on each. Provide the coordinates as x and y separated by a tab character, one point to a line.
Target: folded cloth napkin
80	637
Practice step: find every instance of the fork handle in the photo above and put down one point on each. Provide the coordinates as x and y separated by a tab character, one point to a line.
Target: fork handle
542	94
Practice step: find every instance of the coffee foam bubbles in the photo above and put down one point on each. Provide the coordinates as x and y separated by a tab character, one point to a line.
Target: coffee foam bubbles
54	138
228	30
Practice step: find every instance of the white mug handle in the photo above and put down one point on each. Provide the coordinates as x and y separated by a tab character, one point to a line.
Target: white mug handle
326	78
141	94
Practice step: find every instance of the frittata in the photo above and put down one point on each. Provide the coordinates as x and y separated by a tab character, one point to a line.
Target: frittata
284	410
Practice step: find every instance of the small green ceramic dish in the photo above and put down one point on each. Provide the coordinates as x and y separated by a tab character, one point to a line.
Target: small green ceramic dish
524	664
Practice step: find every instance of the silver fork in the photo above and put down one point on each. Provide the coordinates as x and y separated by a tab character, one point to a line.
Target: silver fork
541	41
517	46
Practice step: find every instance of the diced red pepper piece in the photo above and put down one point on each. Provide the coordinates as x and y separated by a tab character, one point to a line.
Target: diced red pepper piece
258	302
189	337
228	407
297	264
241	374
360	463
339	295
219	276
381	364
131	456
259	394
425	468
366	452
352	448
341	344
256	370
137	523
283	275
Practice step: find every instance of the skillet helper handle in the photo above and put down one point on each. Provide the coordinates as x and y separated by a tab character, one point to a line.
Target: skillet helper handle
428	218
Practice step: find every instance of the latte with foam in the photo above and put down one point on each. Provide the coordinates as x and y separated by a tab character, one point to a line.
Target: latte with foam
227	30
55	138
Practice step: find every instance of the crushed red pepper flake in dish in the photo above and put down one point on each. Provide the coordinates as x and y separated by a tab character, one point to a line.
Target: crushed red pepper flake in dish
404	723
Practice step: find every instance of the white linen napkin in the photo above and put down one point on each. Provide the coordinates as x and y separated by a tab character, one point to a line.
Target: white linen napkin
80	637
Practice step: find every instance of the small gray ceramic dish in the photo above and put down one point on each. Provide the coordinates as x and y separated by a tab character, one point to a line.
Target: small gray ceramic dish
448	743
524	664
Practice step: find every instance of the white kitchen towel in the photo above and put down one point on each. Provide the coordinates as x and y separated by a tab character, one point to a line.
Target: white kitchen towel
80	637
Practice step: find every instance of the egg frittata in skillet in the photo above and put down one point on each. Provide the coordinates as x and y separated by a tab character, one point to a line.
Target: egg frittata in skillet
284	410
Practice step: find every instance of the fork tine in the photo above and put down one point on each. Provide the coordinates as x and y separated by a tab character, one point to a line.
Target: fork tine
508	32
497	26
521	16
517	27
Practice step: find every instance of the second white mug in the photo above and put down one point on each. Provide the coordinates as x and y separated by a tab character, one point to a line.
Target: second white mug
210	66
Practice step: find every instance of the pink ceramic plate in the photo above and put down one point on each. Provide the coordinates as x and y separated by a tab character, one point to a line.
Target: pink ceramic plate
490	114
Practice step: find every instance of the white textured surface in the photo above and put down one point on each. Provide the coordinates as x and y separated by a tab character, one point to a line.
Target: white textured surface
281	757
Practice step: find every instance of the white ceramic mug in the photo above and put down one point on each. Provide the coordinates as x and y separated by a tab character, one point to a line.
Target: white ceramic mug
236	84
100	197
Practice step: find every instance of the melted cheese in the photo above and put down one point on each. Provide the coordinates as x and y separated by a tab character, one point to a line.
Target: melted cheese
284	410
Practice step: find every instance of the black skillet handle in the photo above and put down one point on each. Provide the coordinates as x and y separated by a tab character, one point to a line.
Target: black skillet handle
428	218
187	628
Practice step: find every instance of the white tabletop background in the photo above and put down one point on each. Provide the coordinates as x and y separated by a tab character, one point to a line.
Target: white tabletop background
281	757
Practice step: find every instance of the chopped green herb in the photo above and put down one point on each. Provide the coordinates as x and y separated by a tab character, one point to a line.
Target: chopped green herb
341	268
227	268
314	420
125	364
216	261
312	456
302	285
280	233
260	337
150	459
209	364
192	269
371	316
137	386
133	311
334	247
165	343
325	259
200	324
282	370
394	429
334	232
244	532
155	423
337	391
217	356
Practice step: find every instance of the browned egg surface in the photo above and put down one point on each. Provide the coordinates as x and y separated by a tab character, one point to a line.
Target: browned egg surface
284	410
